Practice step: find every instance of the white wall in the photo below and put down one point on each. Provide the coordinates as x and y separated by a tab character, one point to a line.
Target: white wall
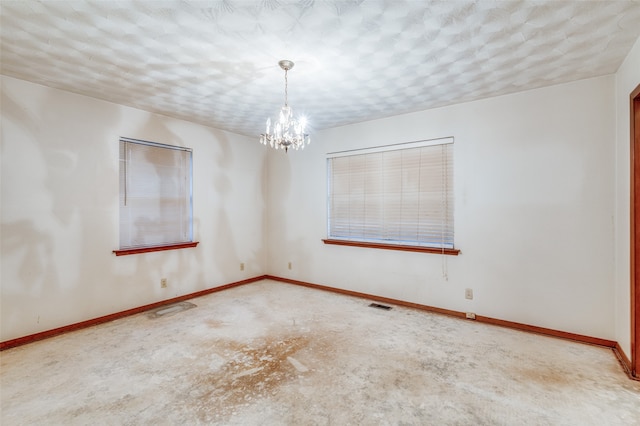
60	210
627	79
534	186
534	197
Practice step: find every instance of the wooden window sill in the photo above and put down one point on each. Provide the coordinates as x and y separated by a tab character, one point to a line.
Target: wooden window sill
125	252
436	250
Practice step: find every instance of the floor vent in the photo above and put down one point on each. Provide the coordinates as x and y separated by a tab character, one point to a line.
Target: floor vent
379	306
168	310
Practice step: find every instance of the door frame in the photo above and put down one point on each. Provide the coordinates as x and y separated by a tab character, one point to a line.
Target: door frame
634	107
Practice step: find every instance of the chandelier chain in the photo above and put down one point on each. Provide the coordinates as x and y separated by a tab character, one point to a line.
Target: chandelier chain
286	88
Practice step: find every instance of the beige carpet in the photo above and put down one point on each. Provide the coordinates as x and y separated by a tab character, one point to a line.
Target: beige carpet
277	354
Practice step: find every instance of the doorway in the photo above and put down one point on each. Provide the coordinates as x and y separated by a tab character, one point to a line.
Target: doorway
635	232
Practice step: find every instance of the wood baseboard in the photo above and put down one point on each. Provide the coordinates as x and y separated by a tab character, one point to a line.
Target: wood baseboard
488	320
95	321
369	296
625	362
548	332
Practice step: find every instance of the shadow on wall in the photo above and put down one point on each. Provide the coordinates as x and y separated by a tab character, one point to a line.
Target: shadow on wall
278	214
232	199
225	252
59	224
262	253
182	268
22	239
53	218
32	250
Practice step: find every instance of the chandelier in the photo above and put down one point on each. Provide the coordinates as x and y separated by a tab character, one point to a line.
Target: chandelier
287	132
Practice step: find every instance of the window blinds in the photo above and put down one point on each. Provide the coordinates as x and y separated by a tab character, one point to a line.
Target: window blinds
155	194
401	194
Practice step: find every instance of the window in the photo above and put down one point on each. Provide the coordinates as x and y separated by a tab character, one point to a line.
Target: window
155	197
398	196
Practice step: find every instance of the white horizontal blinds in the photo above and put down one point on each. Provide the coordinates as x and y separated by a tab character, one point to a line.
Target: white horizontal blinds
436	226
339	197
397	196
155	194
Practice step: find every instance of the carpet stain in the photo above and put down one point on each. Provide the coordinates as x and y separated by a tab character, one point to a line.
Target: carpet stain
214	323
545	376
252	371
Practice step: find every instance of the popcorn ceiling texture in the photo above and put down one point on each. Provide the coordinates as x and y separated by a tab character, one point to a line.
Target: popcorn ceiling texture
215	62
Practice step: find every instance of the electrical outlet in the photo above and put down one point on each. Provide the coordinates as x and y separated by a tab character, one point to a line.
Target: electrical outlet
242	266
163	282
468	293
471	315
290	267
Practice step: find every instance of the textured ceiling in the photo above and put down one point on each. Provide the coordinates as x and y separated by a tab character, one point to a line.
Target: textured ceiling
215	62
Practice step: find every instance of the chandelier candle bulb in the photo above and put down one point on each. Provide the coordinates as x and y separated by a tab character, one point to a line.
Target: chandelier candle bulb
288	132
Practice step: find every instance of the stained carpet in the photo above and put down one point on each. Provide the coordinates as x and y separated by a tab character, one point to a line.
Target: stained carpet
276	354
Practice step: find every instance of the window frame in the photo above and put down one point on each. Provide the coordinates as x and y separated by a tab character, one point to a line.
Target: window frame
395	244
189	243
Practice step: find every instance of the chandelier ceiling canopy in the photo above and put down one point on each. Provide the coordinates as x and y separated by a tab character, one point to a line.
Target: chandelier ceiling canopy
288	131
